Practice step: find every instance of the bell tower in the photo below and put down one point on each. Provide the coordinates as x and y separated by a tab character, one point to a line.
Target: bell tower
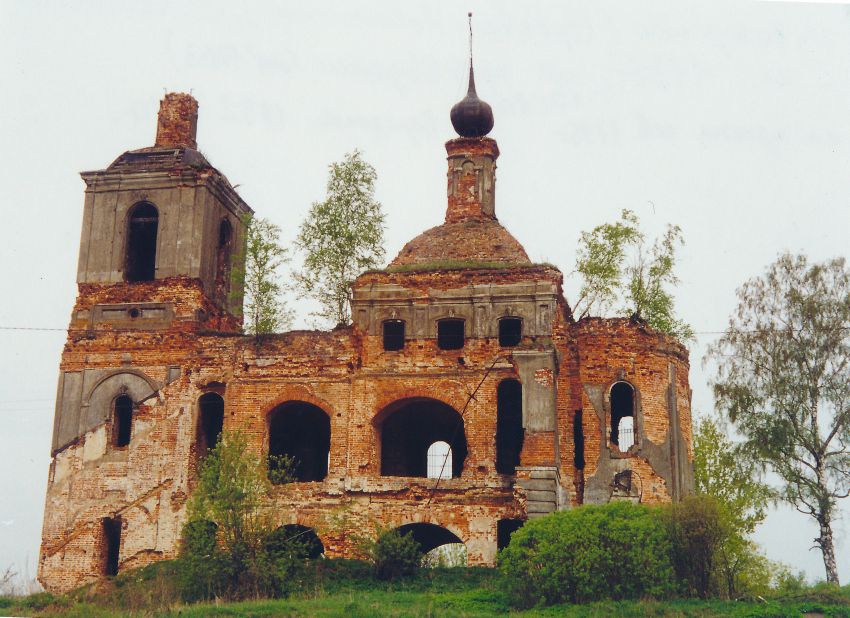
162	232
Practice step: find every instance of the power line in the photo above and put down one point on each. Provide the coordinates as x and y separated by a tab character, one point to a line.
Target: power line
35	328
698	332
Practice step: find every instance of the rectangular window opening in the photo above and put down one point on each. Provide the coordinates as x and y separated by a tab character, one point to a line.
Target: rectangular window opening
510	332
450	335
112	545
123	420
393	335
578	441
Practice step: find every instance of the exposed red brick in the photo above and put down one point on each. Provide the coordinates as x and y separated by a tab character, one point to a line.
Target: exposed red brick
177	125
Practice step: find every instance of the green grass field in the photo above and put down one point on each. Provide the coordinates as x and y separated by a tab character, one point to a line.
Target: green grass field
347	591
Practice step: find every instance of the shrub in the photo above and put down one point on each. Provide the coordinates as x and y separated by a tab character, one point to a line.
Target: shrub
282	469
224	550
394	555
698	531
201	571
154	587
616	551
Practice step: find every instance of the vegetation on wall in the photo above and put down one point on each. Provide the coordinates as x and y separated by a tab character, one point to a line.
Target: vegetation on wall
620	271
342	236
259	266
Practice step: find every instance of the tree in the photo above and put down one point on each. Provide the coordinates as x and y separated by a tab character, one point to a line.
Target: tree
265	310
724	471
230	546
615	264
342	236
229	500
783	378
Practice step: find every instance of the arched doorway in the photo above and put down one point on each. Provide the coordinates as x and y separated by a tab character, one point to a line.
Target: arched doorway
300	434
429	536
509	431
295	539
210	421
409	428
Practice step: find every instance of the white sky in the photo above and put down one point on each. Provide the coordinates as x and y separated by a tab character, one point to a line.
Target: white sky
731	119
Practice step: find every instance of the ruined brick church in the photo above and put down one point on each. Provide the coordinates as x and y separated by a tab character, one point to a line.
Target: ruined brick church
463	399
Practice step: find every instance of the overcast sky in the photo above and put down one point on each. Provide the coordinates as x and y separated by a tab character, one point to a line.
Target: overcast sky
731	119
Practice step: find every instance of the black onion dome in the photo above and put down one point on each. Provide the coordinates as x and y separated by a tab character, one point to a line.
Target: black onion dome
472	117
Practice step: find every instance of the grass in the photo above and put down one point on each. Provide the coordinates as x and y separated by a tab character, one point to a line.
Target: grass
460	265
345	589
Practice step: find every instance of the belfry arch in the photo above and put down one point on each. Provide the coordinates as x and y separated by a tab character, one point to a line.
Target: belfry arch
140	255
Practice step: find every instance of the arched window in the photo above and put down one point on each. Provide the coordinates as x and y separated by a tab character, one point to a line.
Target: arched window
510	332
210	421
509	432
223	257
122	420
393	335
622	408
140	259
440	460
300	440
450	335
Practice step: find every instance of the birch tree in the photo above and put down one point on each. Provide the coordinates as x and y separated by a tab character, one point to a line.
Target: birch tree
341	237
783	378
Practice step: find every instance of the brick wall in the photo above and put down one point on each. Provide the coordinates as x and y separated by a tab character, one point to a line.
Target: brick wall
347	374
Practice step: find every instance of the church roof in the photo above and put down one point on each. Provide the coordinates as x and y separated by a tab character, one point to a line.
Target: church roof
477	241
157	158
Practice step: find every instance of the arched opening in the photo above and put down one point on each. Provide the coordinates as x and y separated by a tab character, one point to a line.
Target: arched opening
440	460
509	431
409	428
450	334
210	421
122	423
198	537
393	335
299	437
622	408
111	530
510	332
447	556
504	529
296	541
222	258
429	536
140	259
